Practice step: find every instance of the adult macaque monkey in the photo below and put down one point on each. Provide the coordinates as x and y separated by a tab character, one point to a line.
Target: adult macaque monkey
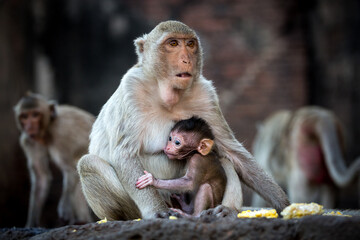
128	136
303	150
192	140
60	133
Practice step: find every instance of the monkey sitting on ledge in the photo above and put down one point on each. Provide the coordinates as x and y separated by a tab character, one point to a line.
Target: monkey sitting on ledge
192	140
128	136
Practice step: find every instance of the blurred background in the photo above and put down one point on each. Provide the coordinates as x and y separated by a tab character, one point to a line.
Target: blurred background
262	56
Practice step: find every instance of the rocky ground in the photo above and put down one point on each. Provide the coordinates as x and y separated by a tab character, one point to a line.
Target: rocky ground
208	227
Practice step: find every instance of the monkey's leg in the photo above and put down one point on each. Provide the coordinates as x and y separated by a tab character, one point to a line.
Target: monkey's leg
327	196
66	209
40	177
233	197
81	208
300	191
103	190
72	206
204	199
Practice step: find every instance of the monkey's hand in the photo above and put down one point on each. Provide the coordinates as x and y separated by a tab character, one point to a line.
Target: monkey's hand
220	211
145	180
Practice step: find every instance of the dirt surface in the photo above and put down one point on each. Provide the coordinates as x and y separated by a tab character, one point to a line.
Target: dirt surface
311	227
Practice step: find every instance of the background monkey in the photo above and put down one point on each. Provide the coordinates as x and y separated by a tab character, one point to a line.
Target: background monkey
128	136
60	133
192	140
304	151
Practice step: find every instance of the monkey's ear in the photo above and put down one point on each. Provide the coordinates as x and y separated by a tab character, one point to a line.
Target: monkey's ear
205	146
53	109
139	44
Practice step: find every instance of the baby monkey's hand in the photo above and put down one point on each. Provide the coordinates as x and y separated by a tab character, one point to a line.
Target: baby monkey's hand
145	180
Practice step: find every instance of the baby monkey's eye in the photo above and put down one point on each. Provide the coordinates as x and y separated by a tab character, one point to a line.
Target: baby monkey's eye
170	139
173	43
177	142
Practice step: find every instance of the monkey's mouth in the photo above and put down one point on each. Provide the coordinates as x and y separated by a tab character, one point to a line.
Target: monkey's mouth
183	75
169	155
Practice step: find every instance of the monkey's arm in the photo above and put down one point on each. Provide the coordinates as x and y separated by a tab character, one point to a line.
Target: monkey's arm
180	184
40	178
187	183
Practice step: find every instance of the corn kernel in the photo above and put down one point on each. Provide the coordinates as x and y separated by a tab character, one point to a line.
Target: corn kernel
102	221
298	210
336	214
268	213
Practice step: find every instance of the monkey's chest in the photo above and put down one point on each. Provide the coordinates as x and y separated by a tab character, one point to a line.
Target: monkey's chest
155	135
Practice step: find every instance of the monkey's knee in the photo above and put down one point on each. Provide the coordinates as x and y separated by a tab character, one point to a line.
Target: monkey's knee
104	191
90	164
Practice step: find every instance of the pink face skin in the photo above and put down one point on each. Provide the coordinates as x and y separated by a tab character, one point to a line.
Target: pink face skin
179	54
30	122
173	146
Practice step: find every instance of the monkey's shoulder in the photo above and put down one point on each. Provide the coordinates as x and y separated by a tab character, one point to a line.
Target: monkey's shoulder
70	118
69	111
198	159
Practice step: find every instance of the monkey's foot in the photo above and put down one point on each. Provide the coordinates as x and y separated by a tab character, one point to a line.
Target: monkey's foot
167	214
184	214
219	211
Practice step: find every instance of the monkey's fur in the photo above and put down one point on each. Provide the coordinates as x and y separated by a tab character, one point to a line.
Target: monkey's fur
165	86
304	151
63	138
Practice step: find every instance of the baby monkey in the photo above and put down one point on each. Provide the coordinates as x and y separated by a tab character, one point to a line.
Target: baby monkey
193	141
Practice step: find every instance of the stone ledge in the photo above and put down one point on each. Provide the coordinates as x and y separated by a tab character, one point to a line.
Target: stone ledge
311	227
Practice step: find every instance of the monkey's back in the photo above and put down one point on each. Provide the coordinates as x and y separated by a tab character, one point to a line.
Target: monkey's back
214	175
70	130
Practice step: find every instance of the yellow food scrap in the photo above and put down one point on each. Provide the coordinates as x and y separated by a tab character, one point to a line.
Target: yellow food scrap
268	213
102	221
138	219
172	217
336	214
74	230
298	210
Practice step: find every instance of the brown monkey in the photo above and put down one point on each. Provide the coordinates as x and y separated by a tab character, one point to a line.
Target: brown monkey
192	140
303	150
165	86
60	133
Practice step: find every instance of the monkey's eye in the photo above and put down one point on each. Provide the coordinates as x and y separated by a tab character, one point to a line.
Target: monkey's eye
23	116
35	114
170	139
173	43
177	142
191	43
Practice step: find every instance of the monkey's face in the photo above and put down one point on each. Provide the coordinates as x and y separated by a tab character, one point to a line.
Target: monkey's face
177	66
179	53
173	146
180	145
30	121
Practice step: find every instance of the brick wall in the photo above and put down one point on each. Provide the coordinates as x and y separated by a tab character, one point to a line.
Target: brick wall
256	62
